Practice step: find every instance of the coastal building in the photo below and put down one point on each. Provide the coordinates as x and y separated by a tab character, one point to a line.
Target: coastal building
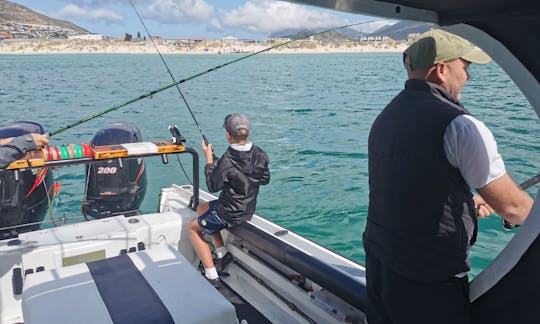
247	41
35	31
373	38
196	40
412	37
229	40
86	37
5	36
277	40
233	40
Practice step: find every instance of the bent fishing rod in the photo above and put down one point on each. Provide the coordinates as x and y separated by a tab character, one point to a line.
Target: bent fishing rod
176	83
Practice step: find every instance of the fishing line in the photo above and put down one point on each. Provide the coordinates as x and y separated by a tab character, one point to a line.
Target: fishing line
177	86
175	83
169	71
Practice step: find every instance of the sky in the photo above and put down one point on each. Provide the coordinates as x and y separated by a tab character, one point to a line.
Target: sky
213	19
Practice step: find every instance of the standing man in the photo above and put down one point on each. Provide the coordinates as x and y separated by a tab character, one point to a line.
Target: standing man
425	154
14	148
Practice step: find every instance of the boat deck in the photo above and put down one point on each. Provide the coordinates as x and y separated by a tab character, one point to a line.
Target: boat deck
244	310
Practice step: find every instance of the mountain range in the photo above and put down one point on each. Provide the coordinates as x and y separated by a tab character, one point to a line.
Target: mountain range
21	22
384	28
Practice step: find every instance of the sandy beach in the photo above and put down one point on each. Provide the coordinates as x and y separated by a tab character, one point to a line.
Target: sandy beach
208	47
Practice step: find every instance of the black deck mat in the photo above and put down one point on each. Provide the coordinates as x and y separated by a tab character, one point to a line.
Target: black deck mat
243	309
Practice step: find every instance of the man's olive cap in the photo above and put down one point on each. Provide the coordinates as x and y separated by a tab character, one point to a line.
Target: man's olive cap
436	46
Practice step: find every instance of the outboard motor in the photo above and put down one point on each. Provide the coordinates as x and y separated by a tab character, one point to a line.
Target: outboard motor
23	194
114	188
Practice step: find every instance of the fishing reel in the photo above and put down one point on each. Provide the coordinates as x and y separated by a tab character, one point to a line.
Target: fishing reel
177	138
507	226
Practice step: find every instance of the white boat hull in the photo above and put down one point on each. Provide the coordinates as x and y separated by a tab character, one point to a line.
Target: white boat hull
54	271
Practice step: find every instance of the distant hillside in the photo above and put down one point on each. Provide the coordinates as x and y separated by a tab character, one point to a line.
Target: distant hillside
369	27
331	36
396	31
21	22
352	34
289	33
402	29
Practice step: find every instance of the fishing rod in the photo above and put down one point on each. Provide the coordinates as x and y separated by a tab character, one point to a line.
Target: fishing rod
175	83
169	71
524	186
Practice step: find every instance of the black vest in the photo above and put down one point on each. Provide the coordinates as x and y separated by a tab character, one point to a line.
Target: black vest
421	218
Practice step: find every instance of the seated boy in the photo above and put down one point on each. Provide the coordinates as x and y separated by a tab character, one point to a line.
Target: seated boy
238	174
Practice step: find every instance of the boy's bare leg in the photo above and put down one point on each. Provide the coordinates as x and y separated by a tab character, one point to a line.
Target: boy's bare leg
218	240
199	244
202	208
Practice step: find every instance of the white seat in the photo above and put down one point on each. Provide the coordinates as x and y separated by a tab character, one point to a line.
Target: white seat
73	293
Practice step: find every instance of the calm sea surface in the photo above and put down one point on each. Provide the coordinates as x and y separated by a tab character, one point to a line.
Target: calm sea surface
311	113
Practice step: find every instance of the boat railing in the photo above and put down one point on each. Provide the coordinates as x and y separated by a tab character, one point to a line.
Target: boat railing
331	278
95	154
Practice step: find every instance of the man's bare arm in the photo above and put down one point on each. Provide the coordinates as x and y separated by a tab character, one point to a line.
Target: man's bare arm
507	199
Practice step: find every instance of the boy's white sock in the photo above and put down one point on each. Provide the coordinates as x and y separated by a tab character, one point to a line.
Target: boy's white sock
211	273
221	251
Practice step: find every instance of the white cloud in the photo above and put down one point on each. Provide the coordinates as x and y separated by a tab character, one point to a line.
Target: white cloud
74	12
266	16
258	16
179	11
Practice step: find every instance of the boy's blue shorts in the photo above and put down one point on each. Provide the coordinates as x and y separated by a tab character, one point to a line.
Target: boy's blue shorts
210	222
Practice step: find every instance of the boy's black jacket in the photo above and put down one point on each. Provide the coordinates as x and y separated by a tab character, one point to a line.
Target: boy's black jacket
238	175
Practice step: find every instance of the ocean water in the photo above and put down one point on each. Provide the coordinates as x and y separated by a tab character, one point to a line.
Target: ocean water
310	113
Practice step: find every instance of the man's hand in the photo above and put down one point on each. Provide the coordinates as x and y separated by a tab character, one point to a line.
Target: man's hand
482	207
508	199
5	140
40	140
208	152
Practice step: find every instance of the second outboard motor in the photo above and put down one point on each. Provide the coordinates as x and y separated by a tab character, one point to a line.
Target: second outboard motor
114	188
23	194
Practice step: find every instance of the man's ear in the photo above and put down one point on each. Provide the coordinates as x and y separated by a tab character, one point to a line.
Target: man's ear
438	73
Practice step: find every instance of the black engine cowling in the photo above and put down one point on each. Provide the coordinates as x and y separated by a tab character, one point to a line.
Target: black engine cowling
23	194
114	187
